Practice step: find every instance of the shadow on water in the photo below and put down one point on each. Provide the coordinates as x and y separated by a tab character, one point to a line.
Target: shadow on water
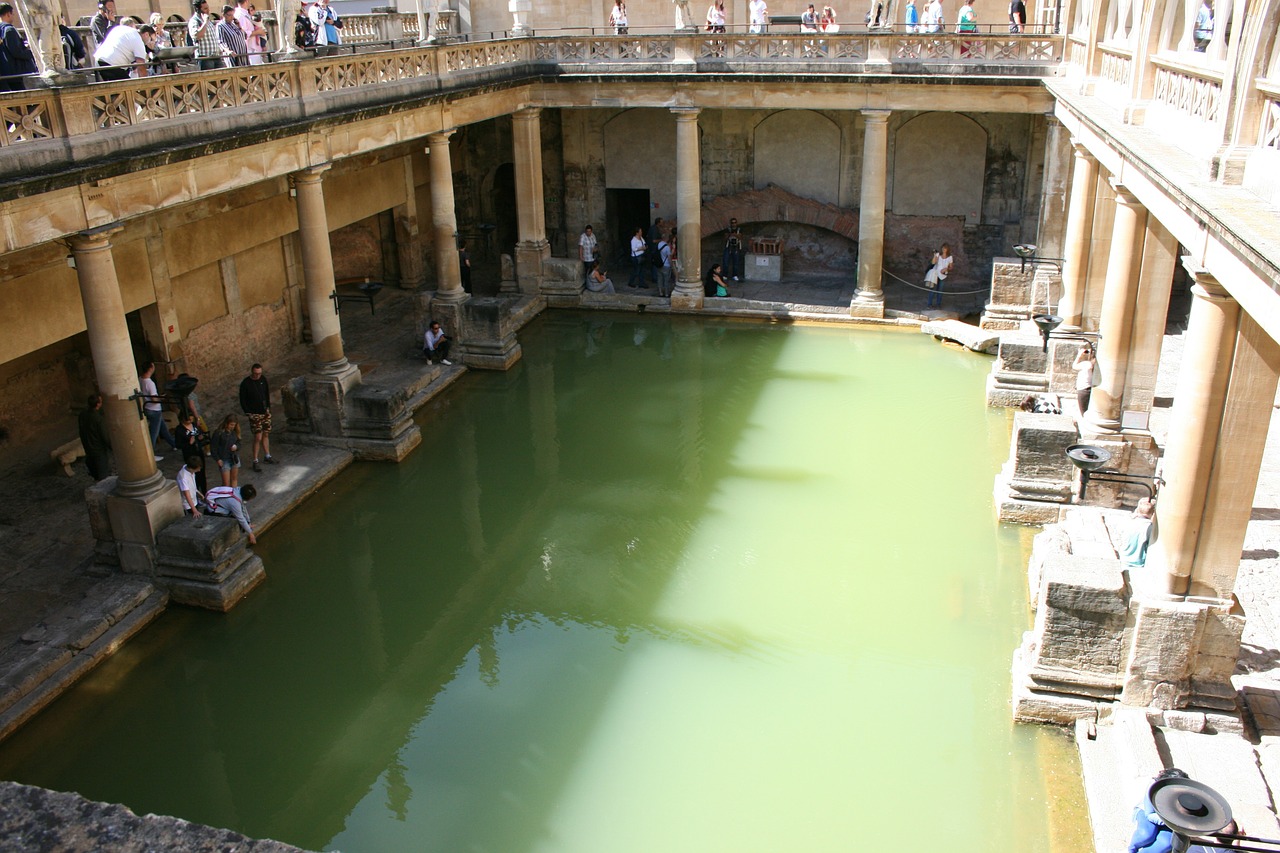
528	540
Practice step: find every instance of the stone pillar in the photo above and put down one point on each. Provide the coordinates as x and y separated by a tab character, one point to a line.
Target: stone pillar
1075	267
1194	428
1159	257
444	221
688	288
1058	160
317	272
408	235
1119	300
142	502
532	247
868	299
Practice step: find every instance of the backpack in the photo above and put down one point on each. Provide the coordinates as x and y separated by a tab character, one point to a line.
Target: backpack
304	34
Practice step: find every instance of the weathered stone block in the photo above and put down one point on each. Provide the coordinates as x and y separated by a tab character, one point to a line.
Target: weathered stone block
562	280
206	564
1040	445
970	337
1158	669
1019	370
1011	283
1080	620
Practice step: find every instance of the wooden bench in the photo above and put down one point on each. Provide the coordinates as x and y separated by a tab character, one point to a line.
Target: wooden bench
360	289
67	454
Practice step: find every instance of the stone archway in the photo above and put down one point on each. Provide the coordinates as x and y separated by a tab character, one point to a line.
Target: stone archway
812	219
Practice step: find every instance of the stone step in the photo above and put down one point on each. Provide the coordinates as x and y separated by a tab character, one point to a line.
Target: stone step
56	652
1118	758
1231	766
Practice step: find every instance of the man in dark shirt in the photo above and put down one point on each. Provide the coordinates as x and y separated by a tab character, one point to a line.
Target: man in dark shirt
15	57
1017	15
93	437
255	401
103	21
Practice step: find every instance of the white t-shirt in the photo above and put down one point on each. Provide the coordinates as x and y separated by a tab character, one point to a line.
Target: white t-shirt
187	486
148	384
759	12
121	47
637	247
588	244
1084	375
618	17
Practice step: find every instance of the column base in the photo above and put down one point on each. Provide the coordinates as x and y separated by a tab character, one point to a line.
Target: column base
688	296
530	256
1020	369
136	520
206	563
326	399
867	304
562	281
488	335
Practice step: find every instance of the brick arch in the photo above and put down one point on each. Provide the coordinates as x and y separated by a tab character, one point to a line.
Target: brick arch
774	204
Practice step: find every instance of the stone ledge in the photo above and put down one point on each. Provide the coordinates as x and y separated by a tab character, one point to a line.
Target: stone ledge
38	819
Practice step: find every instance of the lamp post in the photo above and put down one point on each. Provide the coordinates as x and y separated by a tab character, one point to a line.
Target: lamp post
1090	459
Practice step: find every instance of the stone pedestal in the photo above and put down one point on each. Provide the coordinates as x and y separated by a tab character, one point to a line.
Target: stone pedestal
1183	655
1020	369
1018	291
489	335
135	520
762	267
528	274
341	410
1037	479
206	563
561	283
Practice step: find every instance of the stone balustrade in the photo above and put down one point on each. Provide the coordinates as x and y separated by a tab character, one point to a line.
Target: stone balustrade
1269	132
33	115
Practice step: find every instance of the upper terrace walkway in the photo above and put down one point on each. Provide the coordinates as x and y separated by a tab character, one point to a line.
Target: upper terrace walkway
47	127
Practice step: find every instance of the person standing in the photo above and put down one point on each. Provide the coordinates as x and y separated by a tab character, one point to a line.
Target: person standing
937	274
464	265
151	407
715	17
759	16
435	344
226	450
94	440
202	29
328	26
618	18
934	21
966	20
1203	30
1086	368
231	40
1017	16
656	232
664	271
732	259
912	18
103	21
587	249
191	444
255	401
637	258
187	489
15	57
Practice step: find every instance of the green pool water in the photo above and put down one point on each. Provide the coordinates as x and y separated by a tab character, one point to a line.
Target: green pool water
667	585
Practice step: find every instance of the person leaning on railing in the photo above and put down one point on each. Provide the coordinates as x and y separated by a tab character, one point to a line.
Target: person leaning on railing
124	50
235	50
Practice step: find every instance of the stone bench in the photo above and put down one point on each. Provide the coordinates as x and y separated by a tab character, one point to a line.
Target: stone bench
67	454
971	338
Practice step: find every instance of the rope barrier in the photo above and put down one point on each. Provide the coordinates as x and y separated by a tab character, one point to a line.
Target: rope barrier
931	290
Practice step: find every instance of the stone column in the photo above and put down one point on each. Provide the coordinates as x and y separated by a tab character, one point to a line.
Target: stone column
688	288
868	299
532	248
1075	267
1193	434
1051	228
1119	298
317	272
128	513
113	360
444	222
408	236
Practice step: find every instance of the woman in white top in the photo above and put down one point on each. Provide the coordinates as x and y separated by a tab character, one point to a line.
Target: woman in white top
618	18
715	17
937	274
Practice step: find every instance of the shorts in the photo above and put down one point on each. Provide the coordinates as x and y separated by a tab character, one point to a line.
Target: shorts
260	423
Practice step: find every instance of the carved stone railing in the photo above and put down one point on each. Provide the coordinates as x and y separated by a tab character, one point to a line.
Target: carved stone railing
43	114
1269	131
1117	64
1193	91
1077	50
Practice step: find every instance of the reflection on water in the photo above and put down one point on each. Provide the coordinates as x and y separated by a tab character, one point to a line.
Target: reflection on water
666	585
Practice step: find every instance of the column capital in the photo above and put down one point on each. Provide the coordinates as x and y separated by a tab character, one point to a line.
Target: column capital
1124	195
877	116
440	137
94	239
526	113
686	113
311	174
1079	150
1205	284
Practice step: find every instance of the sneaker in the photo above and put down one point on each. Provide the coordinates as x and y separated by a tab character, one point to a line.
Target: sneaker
735	278
256	466
270	460
159	458
446	361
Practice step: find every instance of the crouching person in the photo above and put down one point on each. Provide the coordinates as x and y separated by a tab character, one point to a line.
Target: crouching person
230	501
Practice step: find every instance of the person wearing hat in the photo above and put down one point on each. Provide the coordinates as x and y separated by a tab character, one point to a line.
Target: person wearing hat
1150	833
